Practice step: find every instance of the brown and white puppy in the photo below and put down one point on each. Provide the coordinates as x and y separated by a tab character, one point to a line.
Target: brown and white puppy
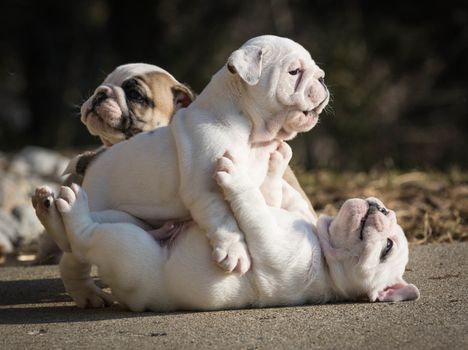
133	98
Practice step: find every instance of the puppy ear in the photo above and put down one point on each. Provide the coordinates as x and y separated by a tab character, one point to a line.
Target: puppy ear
400	291
247	62
332	254
323	224
183	96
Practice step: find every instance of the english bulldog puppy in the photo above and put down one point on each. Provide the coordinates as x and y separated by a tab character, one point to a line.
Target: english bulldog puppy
359	253
269	90
133	98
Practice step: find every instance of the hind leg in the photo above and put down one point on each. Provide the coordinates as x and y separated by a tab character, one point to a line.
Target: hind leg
43	202
124	253
74	267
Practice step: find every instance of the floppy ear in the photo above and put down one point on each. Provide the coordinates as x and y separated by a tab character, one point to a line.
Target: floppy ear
331	254
247	62
183	96
400	291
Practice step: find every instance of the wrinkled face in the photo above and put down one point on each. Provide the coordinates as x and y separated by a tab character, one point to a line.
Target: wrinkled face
132	99
301	87
372	249
284	81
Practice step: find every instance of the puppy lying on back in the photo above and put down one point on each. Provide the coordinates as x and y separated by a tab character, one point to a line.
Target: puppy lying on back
133	98
360	253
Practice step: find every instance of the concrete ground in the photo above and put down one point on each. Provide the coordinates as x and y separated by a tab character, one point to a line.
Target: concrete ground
36	313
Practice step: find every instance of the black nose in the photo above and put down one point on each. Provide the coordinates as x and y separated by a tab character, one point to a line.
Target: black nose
374	206
99	98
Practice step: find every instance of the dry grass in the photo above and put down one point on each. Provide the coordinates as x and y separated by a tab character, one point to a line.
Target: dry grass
431	206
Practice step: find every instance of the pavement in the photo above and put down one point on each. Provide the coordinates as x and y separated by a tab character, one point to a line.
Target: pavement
35	312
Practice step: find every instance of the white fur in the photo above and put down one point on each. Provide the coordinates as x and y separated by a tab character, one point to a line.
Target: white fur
288	265
167	173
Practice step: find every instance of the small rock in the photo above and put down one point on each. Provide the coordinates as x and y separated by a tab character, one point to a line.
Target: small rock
39	161
29	226
8	232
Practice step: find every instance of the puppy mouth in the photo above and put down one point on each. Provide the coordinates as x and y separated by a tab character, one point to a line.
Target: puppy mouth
310	114
373	207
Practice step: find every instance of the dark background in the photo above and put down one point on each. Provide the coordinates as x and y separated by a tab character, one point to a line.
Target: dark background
397	70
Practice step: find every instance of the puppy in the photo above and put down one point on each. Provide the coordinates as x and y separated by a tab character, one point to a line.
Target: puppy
133	98
362	252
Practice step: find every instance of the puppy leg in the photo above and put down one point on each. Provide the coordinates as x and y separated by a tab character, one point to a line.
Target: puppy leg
74	268
272	185
43	202
100	244
261	228
79	284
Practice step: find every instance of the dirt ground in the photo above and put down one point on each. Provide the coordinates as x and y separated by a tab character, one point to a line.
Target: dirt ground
35	313
430	206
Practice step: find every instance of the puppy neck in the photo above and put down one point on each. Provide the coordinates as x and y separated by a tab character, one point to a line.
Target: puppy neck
234	99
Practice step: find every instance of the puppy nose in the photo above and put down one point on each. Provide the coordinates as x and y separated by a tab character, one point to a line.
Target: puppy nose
374	206
100	97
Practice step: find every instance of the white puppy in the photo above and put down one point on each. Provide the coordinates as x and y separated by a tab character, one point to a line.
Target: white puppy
270	90
364	252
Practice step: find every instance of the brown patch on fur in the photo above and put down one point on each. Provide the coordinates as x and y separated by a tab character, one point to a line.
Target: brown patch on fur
165	92
85	159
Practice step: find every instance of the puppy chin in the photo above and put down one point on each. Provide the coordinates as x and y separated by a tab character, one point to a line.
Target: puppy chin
97	126
298	121
110	112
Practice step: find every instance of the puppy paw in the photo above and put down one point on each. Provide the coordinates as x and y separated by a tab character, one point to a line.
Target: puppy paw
72	200
232	257
44	204
230	176
43	201
279	160
91	296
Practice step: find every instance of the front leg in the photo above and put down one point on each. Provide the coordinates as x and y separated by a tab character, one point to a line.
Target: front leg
200	140
212	214
261	224
272	187
80	285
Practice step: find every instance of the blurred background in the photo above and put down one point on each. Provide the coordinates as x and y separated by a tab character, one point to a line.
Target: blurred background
397	126
398	72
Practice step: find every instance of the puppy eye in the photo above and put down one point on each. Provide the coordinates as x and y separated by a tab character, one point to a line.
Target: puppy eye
134	95
321	80
295	71
387	250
